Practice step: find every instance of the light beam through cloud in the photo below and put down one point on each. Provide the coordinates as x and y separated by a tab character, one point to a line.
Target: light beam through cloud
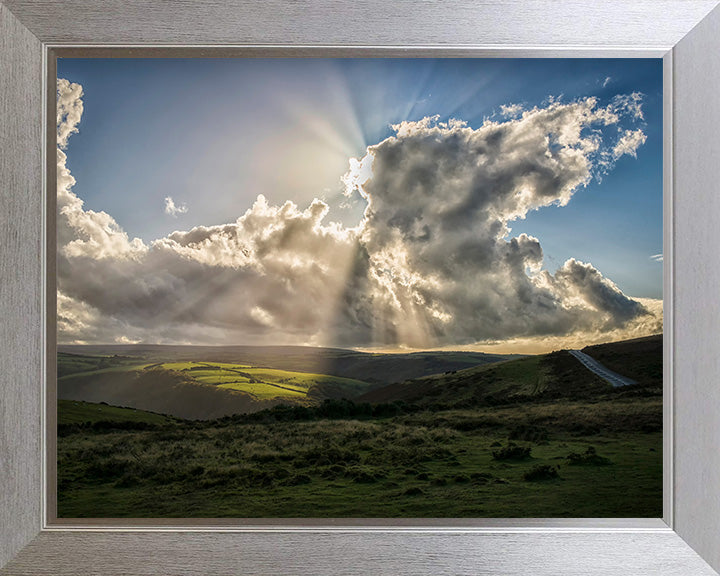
433	262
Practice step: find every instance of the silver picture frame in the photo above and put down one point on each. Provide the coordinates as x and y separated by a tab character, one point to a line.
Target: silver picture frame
683	32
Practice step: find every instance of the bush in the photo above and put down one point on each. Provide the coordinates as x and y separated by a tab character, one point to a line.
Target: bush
588	458
541	472
512	452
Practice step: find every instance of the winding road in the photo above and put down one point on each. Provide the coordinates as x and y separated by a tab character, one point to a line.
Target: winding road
594	366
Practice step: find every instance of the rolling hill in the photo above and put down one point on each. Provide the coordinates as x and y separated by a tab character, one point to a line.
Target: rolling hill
546	376
76	412
375	368
210	382
639	358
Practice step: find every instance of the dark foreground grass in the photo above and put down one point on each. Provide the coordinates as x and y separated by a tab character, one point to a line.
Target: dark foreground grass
416	464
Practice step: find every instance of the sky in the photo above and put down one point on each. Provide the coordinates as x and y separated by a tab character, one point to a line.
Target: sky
363	203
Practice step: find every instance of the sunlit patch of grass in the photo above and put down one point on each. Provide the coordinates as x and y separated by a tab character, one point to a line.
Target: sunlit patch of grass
261	382
263	391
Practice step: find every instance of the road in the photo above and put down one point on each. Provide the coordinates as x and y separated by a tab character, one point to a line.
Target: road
594	366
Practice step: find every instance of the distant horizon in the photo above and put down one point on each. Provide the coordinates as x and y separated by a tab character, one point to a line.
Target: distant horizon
381	205
510	350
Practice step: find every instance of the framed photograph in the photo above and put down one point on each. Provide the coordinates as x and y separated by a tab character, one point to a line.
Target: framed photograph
358	327
396	322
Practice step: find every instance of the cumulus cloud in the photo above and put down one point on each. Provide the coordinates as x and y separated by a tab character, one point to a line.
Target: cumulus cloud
173	209
441	197
83	232
432	263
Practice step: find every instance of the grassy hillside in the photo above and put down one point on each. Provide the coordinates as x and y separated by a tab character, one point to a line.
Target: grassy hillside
547	376
193	389
578	459
68	364
363	366
158	390
555	375
71	412
640	359
209	382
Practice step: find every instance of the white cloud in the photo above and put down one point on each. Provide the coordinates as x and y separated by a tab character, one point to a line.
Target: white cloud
442	265
173	209
630	141
511	110
433	262
607	81
83	232
69	110
628	104
657	257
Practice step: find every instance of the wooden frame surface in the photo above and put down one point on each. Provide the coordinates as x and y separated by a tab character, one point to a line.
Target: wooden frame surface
685	31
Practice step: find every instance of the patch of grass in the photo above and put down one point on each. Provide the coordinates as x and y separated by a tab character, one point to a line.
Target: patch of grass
529	433
77	412
541	472
264	383
512	452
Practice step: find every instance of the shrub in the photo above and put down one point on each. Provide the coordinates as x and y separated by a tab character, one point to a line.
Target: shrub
512	452
589	458
541	472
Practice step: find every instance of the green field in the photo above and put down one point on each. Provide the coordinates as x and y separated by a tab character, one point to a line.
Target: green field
261	382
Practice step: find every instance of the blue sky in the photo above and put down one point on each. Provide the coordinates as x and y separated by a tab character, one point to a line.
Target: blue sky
213	134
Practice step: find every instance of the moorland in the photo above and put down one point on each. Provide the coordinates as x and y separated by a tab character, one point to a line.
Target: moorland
270	432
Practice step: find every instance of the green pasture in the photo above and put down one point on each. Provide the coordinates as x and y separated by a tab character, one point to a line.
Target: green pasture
261	382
